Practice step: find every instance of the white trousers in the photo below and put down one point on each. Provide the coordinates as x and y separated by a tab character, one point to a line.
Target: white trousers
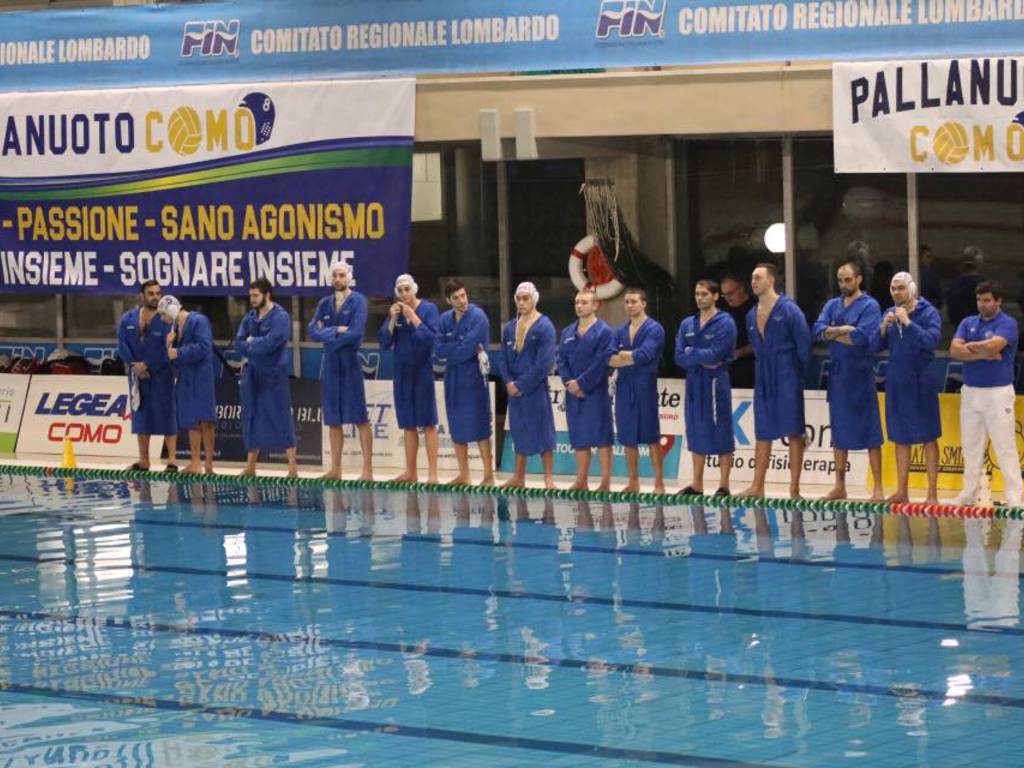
986	413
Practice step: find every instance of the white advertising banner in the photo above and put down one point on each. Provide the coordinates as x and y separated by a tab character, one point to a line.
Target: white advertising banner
819	460
93	411
951	115
13	389
389	440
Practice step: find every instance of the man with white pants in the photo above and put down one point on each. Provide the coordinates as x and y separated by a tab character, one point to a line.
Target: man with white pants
986	343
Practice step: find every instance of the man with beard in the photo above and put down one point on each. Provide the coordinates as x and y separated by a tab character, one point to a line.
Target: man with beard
142	345
266	401
849	324
987	345
339	323
705	344
910	331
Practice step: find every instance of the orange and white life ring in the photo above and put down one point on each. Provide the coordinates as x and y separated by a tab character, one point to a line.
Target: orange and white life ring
587	259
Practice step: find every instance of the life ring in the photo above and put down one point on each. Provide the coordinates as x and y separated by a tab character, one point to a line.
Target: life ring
587	253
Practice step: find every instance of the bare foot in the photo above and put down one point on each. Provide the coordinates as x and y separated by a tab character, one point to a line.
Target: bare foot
659	488
898	498
513	482
579	485
488	479
191	469
405	477
209	469
838	492
247	472
366	477
332	475
753	491
432	479
549	483
932	500
877	496
292	474
458	480
605	486
630	487
794	494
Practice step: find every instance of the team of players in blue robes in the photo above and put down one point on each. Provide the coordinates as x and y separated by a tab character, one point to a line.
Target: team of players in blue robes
455	340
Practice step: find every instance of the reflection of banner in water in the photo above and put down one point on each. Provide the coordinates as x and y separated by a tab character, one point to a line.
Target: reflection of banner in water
951	457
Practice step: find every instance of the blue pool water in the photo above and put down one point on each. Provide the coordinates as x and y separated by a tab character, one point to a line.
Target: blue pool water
153	624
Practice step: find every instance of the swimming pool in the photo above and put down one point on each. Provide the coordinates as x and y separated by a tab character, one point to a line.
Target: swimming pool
150	624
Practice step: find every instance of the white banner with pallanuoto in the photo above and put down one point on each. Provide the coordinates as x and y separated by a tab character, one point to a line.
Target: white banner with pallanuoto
955	115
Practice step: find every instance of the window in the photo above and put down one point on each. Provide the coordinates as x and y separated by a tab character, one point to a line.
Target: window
983	211
27	316
834	210
730	194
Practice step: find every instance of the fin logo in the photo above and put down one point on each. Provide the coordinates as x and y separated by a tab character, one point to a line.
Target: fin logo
631	18
210	38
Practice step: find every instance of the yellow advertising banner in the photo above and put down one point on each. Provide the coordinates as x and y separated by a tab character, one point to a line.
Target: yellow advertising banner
951	455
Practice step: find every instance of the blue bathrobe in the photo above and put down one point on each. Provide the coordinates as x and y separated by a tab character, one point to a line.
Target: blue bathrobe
342	387
707	409
852	398
585	360
636	394
911	387
156	414
531	420
781	356
467	398
413	382
194	389
264	393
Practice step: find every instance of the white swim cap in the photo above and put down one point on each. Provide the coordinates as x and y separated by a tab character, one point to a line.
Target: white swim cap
169	306
530	290
406	280
907	279
340	265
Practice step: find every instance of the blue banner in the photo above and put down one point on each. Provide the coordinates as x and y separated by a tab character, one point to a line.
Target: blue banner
235	41
206	188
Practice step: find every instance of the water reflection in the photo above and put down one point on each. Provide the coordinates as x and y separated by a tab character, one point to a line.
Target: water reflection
657	627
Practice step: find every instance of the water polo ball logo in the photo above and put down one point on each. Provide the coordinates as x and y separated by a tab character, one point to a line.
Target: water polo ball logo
184	131
252	124
950	143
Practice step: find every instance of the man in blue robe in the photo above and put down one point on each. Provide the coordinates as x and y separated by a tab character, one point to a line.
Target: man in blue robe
910	331
461	347
638	343
142	345
527	356
410	330
190	349
705	345
266	401
339	324
849	324
782	348
584	351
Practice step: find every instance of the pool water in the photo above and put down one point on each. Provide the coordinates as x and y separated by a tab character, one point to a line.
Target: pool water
158	624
